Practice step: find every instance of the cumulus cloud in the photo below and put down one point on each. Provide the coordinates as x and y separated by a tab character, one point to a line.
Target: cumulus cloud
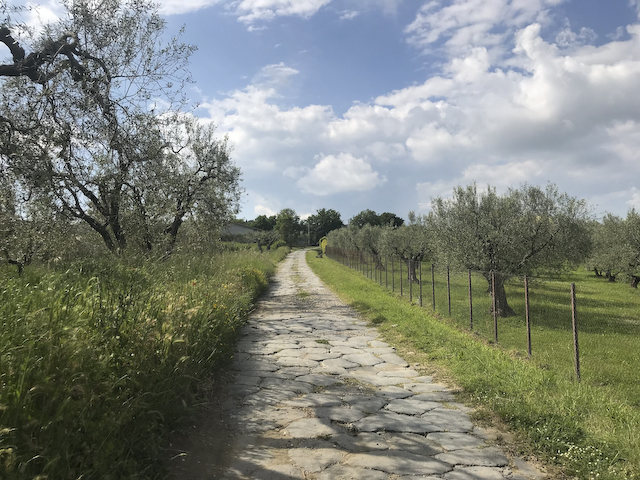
39	14
348	15
250	11
567	38
500	176
340	173
474	22
563	111
173	7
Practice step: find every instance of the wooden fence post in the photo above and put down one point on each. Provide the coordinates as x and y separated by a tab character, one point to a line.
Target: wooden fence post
433	286
495	309
575	330
449	290
386	283
393	277
400	277
410	281
526	313
420	266
470	304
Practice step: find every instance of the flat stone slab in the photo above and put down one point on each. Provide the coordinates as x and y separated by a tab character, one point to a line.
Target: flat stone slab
254	421
398	373
445	420
318	380
364	403
290	352
393	392
481	457
290	385
315	400
364	359
342	472
394	422
475	473
374	379
394	358
339	414
315	459
311	428
399	463
267	396
338	362
296	362
362	442
411	406
413	443
420	387
319	357
455	441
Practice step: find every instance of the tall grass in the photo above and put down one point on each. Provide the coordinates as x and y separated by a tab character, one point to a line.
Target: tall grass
99	361
587	428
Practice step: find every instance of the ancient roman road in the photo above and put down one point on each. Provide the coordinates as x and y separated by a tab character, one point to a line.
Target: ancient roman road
314	394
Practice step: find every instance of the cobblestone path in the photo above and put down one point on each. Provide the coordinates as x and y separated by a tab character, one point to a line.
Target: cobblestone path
316	395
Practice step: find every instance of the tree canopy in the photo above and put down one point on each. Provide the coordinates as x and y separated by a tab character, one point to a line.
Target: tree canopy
92	119
288	225
369	217
525	230
323	222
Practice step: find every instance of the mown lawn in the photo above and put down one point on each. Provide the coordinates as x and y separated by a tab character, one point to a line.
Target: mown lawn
100	359
589	429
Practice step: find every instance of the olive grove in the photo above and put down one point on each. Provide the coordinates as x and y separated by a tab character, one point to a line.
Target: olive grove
524	231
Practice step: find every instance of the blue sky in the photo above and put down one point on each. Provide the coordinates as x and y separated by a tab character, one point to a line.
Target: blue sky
384	104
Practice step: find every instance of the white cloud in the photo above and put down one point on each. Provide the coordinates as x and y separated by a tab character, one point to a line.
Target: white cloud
348	15
567	38
250	11
275	76
173	7
566	115
340	173
500	176
474	22
40	14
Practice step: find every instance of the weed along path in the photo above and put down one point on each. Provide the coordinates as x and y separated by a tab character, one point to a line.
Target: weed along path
315	395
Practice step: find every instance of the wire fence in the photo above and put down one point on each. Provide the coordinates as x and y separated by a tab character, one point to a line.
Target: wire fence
581	326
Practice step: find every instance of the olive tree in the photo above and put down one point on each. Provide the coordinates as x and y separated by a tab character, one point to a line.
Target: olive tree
367	240
29	227
616	247
525	230
411	243
632	232
611	252
86	116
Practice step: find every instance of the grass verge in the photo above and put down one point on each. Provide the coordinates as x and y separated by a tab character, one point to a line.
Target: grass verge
576	427
99	361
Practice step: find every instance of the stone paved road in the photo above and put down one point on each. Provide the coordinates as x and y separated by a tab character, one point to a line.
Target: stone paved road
316	395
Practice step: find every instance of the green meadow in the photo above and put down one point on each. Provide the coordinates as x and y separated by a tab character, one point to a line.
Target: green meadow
587	429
